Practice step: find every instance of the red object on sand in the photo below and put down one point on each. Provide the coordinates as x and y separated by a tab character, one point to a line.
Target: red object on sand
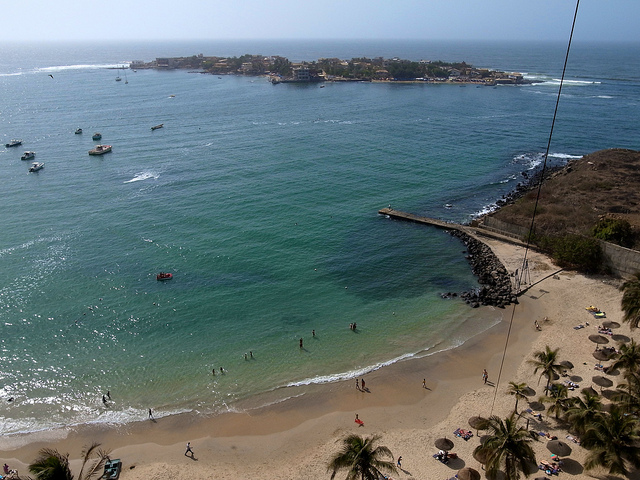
359	422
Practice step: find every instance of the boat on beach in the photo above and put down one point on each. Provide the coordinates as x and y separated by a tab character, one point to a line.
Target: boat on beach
163	276
13	143
96	136
156	127
36	166
28	155
100	150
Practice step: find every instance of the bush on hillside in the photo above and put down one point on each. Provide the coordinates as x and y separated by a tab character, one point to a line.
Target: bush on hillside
574	252
614	230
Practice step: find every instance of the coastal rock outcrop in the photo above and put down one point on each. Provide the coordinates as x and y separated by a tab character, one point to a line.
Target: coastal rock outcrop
495	283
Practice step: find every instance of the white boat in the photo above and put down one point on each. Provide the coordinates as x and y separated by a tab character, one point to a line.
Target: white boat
100	150
118	79
13	143
36	166
78	131
28	155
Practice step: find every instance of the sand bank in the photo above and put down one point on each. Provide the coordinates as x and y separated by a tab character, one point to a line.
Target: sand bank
296	438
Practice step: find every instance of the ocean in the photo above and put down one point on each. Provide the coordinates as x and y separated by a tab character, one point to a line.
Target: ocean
262	201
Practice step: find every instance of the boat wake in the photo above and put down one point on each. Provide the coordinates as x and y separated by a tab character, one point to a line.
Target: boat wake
143	176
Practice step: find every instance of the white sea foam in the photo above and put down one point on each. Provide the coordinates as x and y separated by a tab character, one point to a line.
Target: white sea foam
143	176
59	68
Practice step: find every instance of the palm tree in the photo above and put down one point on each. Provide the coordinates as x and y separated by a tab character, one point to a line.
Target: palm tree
546	362
613	442
361	458
629	357
583	410
558	398
628	394
517	390
53	465
631	301
508	445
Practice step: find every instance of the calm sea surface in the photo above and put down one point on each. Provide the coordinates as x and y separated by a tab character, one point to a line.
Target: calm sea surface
262	201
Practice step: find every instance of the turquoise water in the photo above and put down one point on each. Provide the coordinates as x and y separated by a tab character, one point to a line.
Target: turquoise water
262	200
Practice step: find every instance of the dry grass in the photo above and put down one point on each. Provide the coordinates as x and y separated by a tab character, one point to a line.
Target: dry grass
604	183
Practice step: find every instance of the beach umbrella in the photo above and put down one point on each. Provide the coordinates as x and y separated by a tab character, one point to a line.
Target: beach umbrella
602	381
620	338
478	423
567	364
529	392
598	339
590	390
444	444
610	324
481	456
468	473
600	355
559	448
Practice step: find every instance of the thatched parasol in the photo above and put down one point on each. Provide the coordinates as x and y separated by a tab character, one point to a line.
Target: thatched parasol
468	473
598	339
602	382
559	448
600	355
620	338
567	364
610	324
444	444
481	456
479	423
590	390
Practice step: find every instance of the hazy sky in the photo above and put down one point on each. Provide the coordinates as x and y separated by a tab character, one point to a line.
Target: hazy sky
598	20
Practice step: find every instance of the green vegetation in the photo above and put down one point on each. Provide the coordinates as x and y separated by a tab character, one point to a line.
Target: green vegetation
362	459
614	230
507	447
53	465
631	301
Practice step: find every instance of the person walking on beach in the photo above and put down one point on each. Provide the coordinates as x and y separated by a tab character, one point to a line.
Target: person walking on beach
363	384
424	383
400	461
357	384
188	450
485	375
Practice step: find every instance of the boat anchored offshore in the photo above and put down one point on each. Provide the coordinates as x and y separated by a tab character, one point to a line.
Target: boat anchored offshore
13	143
96	136
163	276
78	131
156	127
36	166
100	150
28	155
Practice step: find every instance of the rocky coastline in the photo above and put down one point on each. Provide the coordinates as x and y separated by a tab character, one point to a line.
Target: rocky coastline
495	282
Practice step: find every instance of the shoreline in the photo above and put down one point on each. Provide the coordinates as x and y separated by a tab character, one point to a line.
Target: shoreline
295	438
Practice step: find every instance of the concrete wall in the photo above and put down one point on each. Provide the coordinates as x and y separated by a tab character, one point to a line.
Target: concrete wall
623	262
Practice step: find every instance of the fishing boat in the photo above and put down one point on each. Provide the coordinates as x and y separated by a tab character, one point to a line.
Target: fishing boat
36	166
96	136
118	79
155	127
163	276
13	143
100	150
28	155
78	131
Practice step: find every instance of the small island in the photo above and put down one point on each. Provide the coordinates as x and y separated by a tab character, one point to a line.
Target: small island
280	70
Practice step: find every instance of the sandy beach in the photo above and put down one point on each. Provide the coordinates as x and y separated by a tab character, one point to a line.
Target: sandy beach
295	439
